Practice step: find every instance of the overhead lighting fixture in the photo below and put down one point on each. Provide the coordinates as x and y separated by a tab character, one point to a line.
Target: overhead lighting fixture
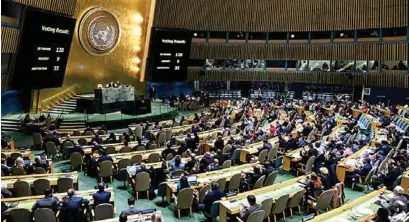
292	36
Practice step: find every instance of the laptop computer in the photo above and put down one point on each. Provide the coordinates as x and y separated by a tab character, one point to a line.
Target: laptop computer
192	180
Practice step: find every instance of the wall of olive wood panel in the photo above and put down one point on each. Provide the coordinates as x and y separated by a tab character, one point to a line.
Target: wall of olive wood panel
9	39
66	7
386	51
373	79
280	15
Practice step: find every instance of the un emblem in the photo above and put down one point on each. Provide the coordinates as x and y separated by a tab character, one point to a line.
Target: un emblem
99	32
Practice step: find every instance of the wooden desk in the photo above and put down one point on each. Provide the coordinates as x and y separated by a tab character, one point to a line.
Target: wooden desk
90	137
25	153
253	149
201	135
52	177
231	205
341	170
361	209
28	202
71	131
135	217
292	157
205	178
88	148
405	182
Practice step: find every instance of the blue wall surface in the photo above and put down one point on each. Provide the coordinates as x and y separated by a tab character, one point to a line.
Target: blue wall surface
171	88
15	101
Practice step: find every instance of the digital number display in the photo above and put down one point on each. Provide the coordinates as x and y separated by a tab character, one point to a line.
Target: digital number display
44	49
169	55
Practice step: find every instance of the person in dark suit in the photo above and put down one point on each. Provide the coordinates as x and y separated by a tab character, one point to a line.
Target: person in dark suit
73	204
39	163
101	196
190	143
214	195
5	170
49	201
253	207
131	210
266	146
103	156
168	150
219	143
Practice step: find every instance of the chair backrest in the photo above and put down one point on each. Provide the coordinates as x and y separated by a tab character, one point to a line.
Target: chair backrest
76	159
123	163
39	170
271	178
227	148
105	169
214	210
37	139
142	181
169	157
236	154
295	199
309	165
82	141
154	158
89	133
278	162
222	184
162	138
64	184
152	146
20	215
67	144
44	215
110	150
21	189
168	134
280	204
125	149
104	211
14	156
272	154
262	156
18	171
226	164
138	131
259	182
185	198
40	185
136	159
140	148
256	216
267	205
234	182
369	176
202	193
51	148
162	189
324	200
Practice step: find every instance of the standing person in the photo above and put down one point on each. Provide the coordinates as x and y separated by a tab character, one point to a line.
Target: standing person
151	92
214	195
72	207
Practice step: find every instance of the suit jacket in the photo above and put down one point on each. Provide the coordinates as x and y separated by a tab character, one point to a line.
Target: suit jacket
101	197
47	202
249	210
5	170
103	158
210	198
130	211
73	203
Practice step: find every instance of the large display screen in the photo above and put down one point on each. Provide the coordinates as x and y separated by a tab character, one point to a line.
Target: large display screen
44	48
169	55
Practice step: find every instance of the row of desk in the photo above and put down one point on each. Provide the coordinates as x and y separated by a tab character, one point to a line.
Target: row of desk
8	181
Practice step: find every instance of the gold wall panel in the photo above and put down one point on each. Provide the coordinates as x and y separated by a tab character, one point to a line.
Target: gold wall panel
359	51
9	39
121	64
280	15
372	79
66	7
